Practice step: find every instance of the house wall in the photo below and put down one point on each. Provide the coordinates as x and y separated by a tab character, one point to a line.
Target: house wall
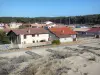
1	27
36	38
15	25
68	39
53	37
15	39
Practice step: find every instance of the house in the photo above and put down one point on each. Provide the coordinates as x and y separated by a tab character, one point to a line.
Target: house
48	22
81	31
14	25
81	26
1	25
6	26
96	26
34	25
64	34
28	35
51	25
37	25
95	32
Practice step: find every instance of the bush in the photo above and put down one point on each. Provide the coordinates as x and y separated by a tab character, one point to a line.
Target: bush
46	66
57	42
19	59
6	66
59	54
4	39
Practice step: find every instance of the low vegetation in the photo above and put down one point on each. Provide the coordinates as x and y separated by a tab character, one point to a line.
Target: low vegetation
56	42
68	61
4	38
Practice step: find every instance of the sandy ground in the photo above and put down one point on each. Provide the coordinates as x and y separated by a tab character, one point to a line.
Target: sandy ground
81	65
42	50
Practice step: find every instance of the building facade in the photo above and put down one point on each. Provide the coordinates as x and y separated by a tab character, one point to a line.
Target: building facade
14	25
28	36
34	38
63	34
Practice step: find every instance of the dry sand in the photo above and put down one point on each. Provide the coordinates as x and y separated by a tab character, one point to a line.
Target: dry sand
87	63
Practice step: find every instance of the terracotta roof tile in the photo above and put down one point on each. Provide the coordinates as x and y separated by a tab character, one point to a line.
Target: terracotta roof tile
94	30
62	31
30	31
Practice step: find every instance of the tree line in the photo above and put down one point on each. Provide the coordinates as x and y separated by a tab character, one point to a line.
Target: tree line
86	19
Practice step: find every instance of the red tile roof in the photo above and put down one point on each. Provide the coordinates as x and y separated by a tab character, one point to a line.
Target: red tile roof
30	31
62	31
94	30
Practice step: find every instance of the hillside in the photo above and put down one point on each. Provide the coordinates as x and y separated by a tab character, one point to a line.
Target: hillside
85	19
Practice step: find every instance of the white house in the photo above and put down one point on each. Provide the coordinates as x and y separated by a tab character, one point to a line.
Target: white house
64	34
81	31
48	22
1	26
51	25
14	25
28	35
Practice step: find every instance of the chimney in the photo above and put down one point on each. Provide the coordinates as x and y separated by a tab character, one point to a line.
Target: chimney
28	31
62	31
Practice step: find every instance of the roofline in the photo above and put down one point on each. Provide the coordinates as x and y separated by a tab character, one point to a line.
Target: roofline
11	31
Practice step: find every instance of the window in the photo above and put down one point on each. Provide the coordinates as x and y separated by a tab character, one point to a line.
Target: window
42	41
33	35
24	36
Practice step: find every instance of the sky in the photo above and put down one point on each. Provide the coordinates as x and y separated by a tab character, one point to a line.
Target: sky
48	8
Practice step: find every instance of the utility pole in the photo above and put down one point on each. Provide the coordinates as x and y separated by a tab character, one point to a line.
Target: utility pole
69	20
60	20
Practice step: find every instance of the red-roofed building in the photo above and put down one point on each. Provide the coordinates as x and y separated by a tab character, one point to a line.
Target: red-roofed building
64	34
94	31
28	35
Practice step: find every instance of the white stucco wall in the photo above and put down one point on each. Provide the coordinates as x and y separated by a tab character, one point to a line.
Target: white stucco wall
36	38
73	36
1	27
68	39
15	25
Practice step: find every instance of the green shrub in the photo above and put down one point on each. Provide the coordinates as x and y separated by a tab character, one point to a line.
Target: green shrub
4	39
57	42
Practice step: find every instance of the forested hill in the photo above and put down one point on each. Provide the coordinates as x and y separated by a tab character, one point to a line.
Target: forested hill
86	19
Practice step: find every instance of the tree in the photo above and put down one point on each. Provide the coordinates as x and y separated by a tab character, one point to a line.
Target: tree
4	38
86	19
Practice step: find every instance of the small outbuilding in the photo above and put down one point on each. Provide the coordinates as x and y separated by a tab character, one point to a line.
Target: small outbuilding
94	31
64	34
